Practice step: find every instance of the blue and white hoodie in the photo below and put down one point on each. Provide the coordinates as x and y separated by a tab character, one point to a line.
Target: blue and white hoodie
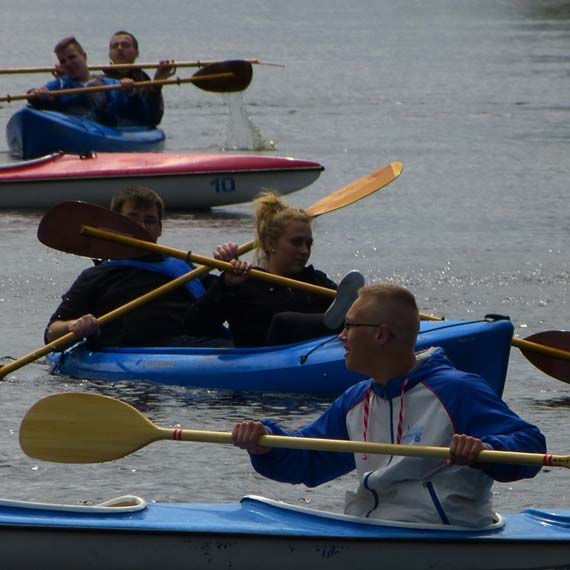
426	408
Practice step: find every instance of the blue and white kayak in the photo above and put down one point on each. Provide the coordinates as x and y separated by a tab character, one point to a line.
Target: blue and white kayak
128	534
314	367
32	133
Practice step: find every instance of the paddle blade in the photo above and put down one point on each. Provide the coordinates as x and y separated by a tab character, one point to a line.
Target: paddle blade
60	228
242	72
556	367
84	428
346	294
357	190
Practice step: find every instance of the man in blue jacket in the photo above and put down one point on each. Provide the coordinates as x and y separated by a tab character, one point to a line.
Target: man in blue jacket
418	399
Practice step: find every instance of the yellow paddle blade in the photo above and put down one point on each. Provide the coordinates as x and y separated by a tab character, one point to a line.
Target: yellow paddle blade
357	190
84	428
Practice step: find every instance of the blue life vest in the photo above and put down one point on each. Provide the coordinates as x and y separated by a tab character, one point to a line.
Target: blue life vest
169	266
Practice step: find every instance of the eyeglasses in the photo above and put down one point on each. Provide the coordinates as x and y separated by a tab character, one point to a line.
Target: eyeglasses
146	221
348	325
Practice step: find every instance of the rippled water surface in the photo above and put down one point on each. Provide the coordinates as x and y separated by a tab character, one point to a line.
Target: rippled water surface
472	97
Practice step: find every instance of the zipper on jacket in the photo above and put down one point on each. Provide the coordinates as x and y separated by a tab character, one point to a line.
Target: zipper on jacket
436	502
390	401
373	493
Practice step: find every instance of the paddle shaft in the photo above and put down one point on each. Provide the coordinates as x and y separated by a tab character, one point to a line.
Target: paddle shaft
541	348
110	67
209	261
215	263
136	85
315	444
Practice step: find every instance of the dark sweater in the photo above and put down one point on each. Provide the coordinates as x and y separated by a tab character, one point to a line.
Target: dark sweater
249	308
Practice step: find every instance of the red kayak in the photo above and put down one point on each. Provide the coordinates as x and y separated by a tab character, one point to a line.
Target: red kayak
185	181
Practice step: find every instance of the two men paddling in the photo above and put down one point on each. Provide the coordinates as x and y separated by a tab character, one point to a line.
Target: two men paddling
111	107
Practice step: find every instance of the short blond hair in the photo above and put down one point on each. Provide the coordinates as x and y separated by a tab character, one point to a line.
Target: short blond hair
396	305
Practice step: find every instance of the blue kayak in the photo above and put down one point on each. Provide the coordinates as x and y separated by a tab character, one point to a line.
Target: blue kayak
314	367
128	534
31	133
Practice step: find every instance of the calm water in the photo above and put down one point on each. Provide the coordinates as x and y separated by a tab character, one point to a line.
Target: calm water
471	96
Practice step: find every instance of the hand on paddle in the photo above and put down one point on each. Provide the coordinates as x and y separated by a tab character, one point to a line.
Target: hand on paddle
58	71
127	85
42	93
464	449
83	327
229	252
246	434
166	69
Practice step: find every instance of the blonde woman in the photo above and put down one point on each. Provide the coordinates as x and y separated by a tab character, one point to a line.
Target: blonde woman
261	313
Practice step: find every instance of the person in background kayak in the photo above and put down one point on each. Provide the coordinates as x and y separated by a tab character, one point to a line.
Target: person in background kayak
123	49
417	399
261	313
104	107
111	284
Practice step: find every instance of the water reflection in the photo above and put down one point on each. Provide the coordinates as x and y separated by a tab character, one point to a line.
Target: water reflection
173	403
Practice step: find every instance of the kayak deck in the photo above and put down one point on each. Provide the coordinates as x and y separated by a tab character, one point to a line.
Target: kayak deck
63	166
261	516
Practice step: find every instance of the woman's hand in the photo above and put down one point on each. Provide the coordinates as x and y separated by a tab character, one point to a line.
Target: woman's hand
228	252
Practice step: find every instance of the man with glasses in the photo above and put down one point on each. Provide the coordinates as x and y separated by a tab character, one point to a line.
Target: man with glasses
410	398
110	284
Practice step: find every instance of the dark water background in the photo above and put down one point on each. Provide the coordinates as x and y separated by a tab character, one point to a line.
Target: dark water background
472	97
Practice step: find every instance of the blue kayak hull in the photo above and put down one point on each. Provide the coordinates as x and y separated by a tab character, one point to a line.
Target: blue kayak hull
259	532
315	367
32	133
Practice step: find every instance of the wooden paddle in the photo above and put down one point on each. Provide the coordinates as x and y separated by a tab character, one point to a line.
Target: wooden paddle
554	357
222	77
77	427
69	225
113	66
342	197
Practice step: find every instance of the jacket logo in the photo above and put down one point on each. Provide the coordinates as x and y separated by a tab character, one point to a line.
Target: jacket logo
413	434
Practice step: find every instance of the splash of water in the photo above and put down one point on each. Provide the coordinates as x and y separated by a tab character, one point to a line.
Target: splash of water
242	134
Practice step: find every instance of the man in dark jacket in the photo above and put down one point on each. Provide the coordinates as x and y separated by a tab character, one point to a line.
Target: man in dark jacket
124	49
110	284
